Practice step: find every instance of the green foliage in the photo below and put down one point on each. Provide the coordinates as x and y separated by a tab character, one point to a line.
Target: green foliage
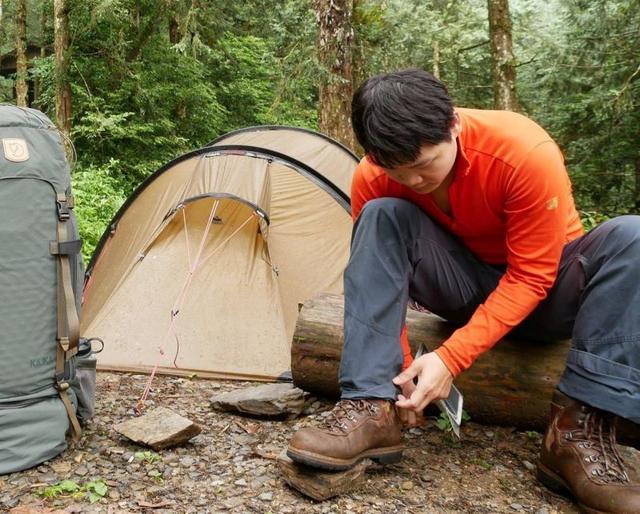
66	487
591	219
152	80
583	87
482	463
98	194
96	490
147	456
444	424
452	36
92	491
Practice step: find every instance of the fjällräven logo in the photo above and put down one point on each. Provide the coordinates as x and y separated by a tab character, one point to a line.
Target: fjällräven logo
15	150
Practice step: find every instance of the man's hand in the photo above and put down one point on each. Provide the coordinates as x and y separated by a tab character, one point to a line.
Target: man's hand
408	417
434	383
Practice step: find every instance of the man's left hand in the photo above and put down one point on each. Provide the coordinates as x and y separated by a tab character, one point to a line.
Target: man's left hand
434	382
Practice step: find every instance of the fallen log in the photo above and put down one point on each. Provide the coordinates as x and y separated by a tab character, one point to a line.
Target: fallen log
511	385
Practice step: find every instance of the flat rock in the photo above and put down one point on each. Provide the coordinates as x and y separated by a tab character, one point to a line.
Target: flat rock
159	428
263	400
318	484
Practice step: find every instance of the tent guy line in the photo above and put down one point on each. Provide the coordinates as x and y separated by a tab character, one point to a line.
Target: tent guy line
183	293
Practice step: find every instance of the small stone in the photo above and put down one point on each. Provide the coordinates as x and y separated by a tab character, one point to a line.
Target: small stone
426	478
233	502
259	482
407	486
528	465
241	482
516	506
187	461
61	467
160	428
266	497
81	471
264	400
489	434
542	511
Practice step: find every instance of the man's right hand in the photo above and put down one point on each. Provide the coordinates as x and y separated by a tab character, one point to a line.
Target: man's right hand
409	417
434	382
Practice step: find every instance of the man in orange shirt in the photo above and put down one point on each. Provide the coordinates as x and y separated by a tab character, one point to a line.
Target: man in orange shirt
469	214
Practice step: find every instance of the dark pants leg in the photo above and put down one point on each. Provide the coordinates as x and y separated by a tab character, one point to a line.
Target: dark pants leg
398	252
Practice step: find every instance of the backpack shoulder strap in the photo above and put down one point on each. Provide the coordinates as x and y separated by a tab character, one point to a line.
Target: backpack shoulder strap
68	334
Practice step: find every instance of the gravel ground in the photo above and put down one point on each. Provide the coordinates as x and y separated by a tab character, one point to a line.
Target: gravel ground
230	466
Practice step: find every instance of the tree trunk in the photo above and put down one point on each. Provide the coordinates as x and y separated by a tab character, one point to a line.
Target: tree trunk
357	48
63	88
436	59
510	385
174	30
21	53
637	186
504	63
335	37
37	86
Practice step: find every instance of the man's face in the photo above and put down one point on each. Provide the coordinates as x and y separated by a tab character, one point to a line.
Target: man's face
432	167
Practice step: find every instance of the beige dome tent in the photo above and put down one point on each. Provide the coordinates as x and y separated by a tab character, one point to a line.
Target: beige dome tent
203	268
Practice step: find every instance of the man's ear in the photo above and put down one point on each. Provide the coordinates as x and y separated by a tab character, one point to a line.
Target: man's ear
456	125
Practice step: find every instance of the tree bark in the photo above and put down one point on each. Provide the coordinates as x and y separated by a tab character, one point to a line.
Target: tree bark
637	186
174	30
21	54
436	59
504	63
510	385
335	38
63	88
37	86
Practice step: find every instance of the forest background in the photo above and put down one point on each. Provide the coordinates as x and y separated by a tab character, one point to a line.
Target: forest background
135	83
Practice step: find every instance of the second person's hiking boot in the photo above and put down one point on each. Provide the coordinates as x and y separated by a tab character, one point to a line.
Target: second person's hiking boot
354	430
579	456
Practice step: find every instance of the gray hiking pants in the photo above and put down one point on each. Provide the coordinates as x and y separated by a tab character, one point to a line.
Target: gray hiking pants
398	252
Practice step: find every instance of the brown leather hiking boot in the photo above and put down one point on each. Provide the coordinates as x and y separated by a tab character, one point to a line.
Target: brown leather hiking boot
354	430
579	456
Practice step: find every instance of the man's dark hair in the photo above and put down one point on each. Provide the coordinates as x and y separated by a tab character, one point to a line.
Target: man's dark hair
394	114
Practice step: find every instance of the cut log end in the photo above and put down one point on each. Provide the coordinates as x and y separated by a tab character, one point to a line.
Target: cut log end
318	484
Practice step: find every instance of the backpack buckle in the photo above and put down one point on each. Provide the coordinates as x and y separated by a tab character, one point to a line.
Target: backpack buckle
63	208
61	385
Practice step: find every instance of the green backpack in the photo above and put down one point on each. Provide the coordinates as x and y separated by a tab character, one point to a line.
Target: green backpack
41	275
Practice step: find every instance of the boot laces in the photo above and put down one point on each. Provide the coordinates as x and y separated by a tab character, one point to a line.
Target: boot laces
346	412
598	432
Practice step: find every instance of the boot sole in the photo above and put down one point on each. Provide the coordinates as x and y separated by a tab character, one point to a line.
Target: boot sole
388	455
558	485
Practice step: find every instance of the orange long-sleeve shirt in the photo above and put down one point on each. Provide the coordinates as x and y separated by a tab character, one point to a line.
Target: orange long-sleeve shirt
511	204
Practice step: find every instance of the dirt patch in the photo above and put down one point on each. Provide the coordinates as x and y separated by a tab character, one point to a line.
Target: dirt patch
230	466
